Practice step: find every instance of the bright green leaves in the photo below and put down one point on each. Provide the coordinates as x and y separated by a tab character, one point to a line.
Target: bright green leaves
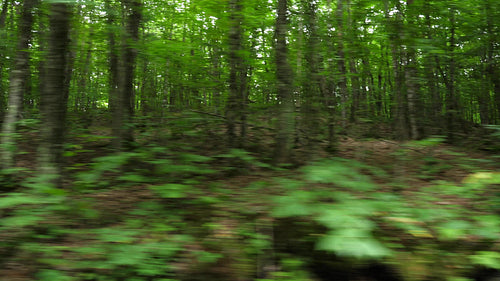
297	203
454	230
487	258
171	190
347	217
340	172
355	244
350	234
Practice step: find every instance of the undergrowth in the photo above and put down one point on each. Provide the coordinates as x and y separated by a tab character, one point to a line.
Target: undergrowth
162	214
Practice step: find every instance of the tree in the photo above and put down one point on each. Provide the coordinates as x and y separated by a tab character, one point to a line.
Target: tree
125	103
286	107
54	95
19	75
236	101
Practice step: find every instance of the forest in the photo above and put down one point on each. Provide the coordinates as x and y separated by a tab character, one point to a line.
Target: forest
266	140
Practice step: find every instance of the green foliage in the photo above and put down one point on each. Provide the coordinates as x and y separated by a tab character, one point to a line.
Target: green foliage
347	217
341	172
171	190
487	258
293	269
244	158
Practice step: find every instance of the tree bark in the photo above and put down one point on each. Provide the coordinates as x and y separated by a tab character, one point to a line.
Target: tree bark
285	124
237	78
125	104
400	110
3	16
18	77
330	98
411	76
54	96
341	62
311	82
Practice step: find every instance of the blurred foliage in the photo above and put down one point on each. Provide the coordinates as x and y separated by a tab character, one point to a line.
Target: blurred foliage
162	214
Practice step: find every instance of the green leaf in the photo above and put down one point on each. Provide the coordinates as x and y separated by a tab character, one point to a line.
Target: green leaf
16	199
297	203
134	178
487	258
127	255
350	246
171	190
116	235
20	221
454	229
335	219
489	226
51	275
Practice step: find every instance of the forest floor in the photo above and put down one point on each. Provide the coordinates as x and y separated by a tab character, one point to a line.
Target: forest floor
378	210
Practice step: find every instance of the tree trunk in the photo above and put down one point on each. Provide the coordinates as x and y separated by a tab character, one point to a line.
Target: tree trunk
113	62
355	87
285	124
237	78
451	99
330	99
493	66
18	77
400	115
3	16
341	62
54	96
311	82
125	104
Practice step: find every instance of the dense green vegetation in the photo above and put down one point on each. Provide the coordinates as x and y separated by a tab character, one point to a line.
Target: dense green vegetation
297	140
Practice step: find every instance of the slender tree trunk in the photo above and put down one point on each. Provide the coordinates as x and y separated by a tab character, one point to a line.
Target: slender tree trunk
411	92
3	13
400	115
3	16
355	88
451	99
124	112
435	105
237	77
113	61
216	74
83	99
341	62
351	37
311	82
493	65
330	98
411	77
285	124
18	77
54	97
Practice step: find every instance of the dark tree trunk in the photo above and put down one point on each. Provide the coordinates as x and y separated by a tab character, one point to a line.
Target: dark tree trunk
341	62
125	104
411	76
311	82
113	60
451	98
3	16
355	87
400	100
493	64
285	124
54	96
330	98
18	77
235	106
